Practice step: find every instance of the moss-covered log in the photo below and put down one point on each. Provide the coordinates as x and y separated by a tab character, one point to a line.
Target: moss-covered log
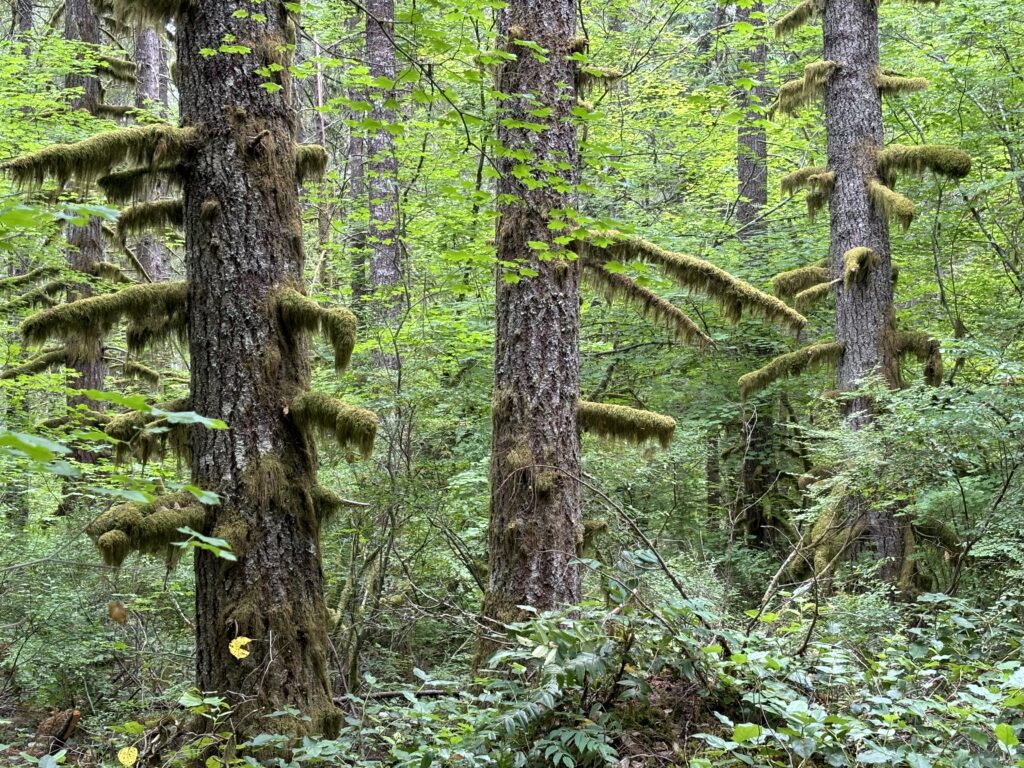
149	216
698	275
147	528
349	426
618	422
789	284
792	364
91	158
38	364
616	286
300	314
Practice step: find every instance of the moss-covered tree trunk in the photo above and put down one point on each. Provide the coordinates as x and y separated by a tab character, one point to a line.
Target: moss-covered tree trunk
243	240
864	308
752	152
535	525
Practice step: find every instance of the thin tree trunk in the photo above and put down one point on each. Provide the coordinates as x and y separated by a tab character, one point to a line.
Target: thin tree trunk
535	526
752	152
864	310
23	12
243	241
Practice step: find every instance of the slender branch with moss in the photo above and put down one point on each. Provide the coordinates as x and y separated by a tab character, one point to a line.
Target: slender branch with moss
349	426
926	349
796	94
806	11
806	299
791	364
916	159
858	264
38	364
789	284
300	314
617	422
149	216
892	204
138	182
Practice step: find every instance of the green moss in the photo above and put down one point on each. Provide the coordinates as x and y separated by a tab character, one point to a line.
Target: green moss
143	332
588	77
43	362
892	84
94	157
119	69
616	286
806	299
349	426
300	314
138	183
133	369
926	349
149	216
310	162
937	158
795	94
798	179
858	264
145	436
891	204
792	364
105	270
114	111
617	422
42	295
788	284
147	528
155	12
34	276
98	314
735	296
796	18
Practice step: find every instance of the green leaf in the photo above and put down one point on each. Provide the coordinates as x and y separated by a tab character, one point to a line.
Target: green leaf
1006	735
745	732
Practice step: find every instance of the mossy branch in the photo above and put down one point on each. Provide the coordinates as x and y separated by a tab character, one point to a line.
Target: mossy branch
41	295
149	216
589	77
300	314
38	364
734	295
351	427
119	69
916	159
792	364
98	314
137	434
800	178
789	284
858	264
616	286
806	299
133	369
310	162
147	528
137	183
143	332
892	84
795	94
617	422
891	204
91	158
153	12
33	276
926	349
806	11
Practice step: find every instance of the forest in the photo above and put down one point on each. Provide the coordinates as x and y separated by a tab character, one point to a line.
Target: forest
512	383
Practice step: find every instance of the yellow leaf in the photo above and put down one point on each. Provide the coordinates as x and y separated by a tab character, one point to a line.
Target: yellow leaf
128	756
238	647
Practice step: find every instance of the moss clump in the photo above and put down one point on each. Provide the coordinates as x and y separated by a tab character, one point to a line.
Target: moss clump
351	427
892	204
789	284
138	182
42	295
154	12
616	286
300	314
94	157
310	162
892	84
796	18
798	179
133	369
926	349
617	422
794	95
145	436
858	264
589	77
43	362
916	159
143	332
34	276
792	364
148	528
119	69
149	216
735	296
809	297
88	317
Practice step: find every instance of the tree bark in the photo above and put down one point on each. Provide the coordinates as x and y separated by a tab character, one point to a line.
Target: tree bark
243	240
535	526
752	152
864	310
23	12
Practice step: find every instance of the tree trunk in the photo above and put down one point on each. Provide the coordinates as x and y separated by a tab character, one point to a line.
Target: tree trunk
752	152
535	526
243	240
154	257
23	11
864	309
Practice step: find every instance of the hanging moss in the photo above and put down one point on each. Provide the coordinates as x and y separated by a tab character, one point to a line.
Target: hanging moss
327	503
88	317
113	111
142	333
788	284
38	364
300	314
892	84
94	157
735	296
34	276
617	422
796	18
892	204
152	12
616	286
138	183
351	427
310	162
796	94
119	69
152	215
133	369
798	179
792	364
809	297
937	158
926	349
146	436
43	295
588	77
858	264
148	528
105	270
